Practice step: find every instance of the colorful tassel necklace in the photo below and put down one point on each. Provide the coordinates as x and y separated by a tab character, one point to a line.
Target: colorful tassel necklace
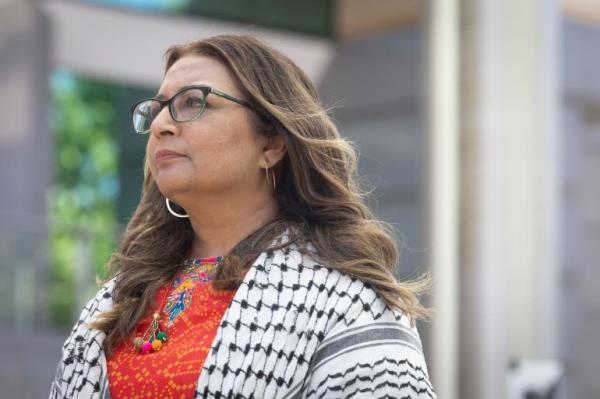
175	302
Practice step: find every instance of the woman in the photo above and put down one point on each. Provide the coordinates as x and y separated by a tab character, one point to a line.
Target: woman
251	267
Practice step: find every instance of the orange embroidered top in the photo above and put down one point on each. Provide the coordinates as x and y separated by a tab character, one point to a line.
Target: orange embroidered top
190	317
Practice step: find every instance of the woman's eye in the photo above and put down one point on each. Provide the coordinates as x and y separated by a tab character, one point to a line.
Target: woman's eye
194	102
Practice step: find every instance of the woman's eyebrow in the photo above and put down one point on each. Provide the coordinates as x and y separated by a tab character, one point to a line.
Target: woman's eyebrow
162	97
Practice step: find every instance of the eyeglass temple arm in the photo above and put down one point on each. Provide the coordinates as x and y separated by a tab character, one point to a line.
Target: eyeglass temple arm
227	96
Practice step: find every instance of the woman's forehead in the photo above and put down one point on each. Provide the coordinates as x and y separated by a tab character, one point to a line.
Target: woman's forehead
196	69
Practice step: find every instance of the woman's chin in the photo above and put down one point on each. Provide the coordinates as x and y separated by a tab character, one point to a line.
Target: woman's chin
170	187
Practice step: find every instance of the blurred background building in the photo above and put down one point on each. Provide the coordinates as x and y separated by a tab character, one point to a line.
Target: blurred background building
478	125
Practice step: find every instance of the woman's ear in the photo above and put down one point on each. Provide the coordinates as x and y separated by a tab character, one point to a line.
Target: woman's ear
273	151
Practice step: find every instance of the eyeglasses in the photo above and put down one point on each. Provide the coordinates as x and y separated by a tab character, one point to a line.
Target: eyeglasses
185	106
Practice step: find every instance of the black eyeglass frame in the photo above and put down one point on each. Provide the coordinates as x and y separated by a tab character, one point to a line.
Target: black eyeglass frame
206	90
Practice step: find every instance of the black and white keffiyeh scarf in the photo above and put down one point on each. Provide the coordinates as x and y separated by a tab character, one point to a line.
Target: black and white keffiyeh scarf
294	329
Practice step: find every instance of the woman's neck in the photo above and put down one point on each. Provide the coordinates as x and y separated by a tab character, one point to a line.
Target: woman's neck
217	234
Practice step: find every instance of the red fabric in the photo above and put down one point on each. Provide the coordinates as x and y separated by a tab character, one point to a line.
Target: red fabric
173	371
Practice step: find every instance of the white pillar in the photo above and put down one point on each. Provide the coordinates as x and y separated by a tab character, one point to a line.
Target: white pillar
509	197
443	185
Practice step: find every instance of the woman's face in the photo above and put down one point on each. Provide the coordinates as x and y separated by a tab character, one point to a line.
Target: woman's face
220	151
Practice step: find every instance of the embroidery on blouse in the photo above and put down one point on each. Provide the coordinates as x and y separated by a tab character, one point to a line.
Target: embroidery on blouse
183	287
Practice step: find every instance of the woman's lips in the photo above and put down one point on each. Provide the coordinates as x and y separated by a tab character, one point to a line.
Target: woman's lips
163	155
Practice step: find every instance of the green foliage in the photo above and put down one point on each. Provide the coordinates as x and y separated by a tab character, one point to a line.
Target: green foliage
161	6
81	202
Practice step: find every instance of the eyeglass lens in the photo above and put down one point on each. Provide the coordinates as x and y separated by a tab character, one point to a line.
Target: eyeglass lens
186	106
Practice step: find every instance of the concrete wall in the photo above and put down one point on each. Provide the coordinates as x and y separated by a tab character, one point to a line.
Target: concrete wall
580	304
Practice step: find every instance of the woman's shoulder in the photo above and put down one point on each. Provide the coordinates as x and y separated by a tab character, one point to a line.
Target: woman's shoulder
364	339
82	365
356	314
100	302
300	269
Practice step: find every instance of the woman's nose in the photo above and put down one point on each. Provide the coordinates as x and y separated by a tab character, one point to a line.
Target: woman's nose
163	124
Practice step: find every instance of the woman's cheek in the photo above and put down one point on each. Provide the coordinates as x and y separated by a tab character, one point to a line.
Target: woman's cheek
149	158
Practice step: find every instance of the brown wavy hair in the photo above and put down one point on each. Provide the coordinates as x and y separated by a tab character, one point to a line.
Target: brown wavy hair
319	199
